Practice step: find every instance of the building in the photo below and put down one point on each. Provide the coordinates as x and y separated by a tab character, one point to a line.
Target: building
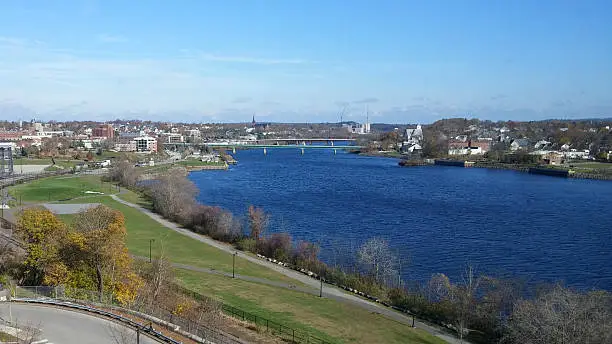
553	158
6	158
175	138
414	136
519	144
193	133
146	144
476	147
105	130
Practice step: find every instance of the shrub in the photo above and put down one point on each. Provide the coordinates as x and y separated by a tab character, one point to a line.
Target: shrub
246	244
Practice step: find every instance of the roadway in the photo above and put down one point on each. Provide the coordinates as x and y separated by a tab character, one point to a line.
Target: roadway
62	326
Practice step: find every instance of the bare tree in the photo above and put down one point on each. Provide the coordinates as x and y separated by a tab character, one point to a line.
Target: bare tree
124	173
258	222
160	275
562	316
121	334
173	196
376	256
29	333
463	296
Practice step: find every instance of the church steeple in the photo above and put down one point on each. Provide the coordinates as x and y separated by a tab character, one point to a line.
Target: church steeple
253	122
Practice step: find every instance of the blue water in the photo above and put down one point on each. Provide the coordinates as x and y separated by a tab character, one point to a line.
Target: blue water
439	219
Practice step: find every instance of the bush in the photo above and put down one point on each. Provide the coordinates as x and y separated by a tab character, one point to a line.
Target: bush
246	244
277	246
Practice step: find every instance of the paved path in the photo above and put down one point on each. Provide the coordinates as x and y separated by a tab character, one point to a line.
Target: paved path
62	326
328	291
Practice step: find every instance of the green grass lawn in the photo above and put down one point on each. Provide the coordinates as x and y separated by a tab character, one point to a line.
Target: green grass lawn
195	162
26	161
592	165
325	318
135	198
177	247
57	188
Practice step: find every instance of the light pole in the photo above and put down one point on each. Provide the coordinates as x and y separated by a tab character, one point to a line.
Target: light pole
234	264
150	245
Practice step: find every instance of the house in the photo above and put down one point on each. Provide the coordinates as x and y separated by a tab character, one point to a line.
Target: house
519	144
476	147
553	158
542	144
414	136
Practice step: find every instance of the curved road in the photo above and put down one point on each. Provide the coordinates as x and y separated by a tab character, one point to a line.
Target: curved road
63	326
328	291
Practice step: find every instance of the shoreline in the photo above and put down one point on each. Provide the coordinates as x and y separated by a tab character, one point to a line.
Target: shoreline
516	167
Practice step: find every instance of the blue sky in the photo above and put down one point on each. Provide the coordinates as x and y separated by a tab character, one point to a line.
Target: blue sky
295	60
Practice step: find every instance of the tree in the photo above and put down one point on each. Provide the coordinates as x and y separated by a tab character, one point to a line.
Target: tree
99	243
124	173
173	196
562	316
258	222
376	256
41	231
463	297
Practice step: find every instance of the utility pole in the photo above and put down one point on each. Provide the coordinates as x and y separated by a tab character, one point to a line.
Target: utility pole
150	249
321	289
234	264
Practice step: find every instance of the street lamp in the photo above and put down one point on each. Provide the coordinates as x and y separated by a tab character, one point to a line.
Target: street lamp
150	245
234	264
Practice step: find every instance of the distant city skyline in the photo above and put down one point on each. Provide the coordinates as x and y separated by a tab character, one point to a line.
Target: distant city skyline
285	61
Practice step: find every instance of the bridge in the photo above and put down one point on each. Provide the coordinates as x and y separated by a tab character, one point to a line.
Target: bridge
307	143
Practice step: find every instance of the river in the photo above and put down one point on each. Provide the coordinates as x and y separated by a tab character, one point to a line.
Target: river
438	219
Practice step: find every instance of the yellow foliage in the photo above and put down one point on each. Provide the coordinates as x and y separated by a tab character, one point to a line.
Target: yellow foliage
127	290
42	232
56	273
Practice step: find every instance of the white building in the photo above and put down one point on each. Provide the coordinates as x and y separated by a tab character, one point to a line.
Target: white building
466	151
145	144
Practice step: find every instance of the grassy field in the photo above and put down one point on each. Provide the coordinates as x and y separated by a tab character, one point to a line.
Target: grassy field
26	161
58	188
177	247
325	318
592	165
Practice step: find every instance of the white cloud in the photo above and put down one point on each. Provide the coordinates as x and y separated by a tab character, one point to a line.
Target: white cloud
106	38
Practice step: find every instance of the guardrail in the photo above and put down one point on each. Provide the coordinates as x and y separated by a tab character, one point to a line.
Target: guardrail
126	321
197	331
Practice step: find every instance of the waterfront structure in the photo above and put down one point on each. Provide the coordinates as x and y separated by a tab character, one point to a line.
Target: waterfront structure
475	147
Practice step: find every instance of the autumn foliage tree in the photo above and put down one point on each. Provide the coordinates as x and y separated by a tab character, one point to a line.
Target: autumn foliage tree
39	230
91	254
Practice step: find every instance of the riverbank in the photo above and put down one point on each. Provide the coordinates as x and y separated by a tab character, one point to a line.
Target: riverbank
576	173
338	317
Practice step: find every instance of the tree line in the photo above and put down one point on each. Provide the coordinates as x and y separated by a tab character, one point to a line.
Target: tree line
482	308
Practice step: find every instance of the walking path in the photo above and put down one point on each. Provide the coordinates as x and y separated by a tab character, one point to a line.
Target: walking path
328	291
